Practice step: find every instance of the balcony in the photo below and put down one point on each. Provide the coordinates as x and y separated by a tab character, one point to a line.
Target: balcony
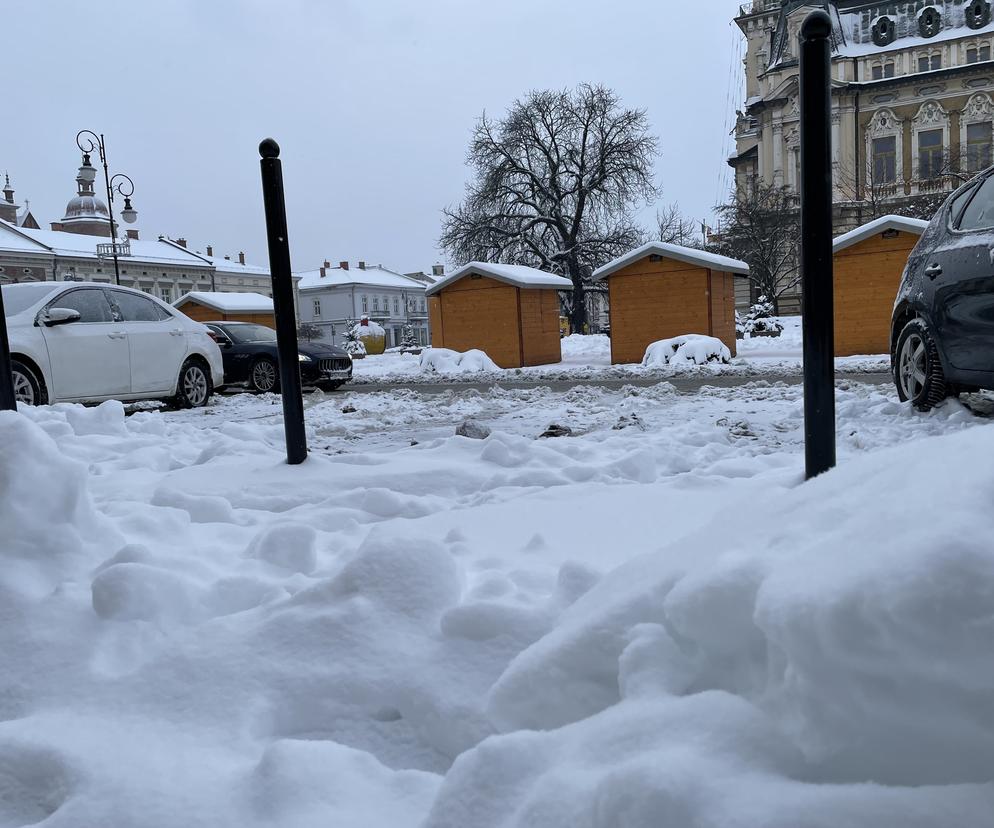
109	250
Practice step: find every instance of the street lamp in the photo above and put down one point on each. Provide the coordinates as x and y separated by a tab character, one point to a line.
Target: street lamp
88	141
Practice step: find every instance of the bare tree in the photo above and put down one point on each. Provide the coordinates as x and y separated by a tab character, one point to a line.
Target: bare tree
555	185
676	228
309	332
761	226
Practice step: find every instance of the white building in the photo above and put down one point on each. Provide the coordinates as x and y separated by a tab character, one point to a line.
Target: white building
330	296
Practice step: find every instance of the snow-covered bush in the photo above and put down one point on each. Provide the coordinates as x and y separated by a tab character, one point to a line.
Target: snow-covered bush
353	345
409	340
689	349
760	320
444	361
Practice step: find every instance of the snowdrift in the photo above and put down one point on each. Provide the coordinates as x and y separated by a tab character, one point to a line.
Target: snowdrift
445	361
689	349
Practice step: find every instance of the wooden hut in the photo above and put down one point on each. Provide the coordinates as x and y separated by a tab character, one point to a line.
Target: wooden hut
204	306
661	290
867	265
509	311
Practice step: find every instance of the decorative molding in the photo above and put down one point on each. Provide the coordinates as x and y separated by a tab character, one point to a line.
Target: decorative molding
885	124
887	98
926	91
978	110
974	83
930	116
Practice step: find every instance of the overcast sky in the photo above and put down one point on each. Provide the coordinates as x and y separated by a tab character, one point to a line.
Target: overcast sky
372	102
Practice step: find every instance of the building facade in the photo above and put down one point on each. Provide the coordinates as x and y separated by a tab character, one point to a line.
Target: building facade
912	107
331	296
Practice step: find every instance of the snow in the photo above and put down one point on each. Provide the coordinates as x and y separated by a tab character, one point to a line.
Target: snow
445	361
369	329
228	302
651	619
690	255
879	225
517	275
690	349
371	275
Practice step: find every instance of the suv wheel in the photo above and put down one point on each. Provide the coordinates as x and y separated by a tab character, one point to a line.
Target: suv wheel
195	387
27	388
265	376
917	369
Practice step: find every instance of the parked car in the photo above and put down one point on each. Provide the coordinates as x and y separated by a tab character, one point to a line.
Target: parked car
88	342
251	358
942	328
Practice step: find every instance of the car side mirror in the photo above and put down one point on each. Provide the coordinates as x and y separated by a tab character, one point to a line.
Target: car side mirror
58	316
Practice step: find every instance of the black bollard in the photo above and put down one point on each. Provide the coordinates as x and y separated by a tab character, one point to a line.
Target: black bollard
286	318
816	244
8	402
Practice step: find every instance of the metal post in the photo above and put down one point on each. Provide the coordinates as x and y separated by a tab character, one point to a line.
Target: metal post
8	402
816	244
110	209
286	326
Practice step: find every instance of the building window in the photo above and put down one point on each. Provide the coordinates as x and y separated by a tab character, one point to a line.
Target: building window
376	303
978	147
976	54
396	306
166	294
930	154
927	63
885	160
882	70
365	305
422	306
317	307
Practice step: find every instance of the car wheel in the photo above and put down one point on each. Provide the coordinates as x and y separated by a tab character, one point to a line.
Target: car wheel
27	387
264	376
330	386
917	370
195	386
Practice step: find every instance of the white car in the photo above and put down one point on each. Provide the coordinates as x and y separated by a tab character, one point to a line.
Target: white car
88	342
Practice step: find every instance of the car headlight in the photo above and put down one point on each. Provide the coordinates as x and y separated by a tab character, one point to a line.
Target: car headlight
304	358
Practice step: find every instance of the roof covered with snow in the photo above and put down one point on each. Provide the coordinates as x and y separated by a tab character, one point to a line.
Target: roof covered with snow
689	255
80	245
517	275
371	275
13	238
865	231
228	302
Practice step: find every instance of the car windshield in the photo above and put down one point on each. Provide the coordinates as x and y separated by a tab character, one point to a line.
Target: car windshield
17	298
251	333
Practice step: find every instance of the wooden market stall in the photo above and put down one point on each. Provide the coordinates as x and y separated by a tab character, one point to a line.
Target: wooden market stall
204	306
661	290
511	312
867	264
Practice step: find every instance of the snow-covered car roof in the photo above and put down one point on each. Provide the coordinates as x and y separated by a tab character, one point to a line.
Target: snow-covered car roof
871	228
228	302
518	275
690	255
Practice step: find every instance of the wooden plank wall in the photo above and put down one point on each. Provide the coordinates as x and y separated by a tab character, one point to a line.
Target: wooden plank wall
540	338
202	313
656	300
867	276
480	313
723	307
435	321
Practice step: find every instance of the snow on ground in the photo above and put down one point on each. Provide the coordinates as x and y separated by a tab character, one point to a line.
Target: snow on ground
649	622
589	357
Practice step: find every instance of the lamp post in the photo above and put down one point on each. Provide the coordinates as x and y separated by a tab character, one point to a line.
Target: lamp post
88	141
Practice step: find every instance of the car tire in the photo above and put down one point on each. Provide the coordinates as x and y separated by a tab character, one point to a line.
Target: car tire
918	371
264	376
331	386
28	389
194	386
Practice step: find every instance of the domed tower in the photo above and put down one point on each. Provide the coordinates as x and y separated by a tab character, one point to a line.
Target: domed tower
85	213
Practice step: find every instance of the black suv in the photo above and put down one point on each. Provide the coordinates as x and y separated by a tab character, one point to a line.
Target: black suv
942	330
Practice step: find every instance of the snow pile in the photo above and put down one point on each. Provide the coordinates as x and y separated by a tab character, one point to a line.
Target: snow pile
830	667
368	329
690	349
445	361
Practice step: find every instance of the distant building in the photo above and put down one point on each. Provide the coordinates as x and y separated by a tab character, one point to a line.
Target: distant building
330	296
11	212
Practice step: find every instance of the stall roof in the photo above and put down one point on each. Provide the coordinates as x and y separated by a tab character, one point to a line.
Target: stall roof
863	232
517	275
228	302
690	255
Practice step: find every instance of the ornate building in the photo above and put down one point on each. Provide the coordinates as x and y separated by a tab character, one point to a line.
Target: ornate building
912	110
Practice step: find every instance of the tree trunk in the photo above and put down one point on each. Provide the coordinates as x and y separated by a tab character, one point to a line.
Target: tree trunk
578	316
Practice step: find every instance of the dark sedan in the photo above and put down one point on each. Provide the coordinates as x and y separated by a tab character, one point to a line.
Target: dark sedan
250	358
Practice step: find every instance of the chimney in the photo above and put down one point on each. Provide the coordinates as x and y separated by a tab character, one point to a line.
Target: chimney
210	250
438	270
324	271
241	258
181	242
362	265
132	233
343	265
327	263
227	258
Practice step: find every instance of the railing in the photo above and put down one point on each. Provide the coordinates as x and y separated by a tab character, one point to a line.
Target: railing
109	250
